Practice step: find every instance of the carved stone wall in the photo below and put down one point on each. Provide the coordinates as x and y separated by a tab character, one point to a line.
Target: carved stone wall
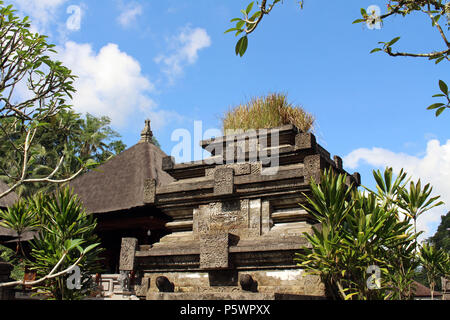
127	253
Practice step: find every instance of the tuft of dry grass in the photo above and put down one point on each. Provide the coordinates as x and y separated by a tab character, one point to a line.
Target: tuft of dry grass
267	112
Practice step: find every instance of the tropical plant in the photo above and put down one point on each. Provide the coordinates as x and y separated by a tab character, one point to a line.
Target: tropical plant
270	111
361	232
416	201
65	239
435	263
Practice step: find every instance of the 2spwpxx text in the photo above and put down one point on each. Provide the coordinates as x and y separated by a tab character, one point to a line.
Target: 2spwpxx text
226	309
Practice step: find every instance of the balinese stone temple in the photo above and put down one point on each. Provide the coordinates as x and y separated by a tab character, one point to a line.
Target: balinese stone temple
225	227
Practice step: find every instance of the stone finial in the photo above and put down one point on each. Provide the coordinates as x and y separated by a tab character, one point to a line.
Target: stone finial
146	134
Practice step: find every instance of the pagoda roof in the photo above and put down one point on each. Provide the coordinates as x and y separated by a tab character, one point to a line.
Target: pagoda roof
118	184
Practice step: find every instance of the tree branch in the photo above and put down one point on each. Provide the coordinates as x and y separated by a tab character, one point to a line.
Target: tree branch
51	275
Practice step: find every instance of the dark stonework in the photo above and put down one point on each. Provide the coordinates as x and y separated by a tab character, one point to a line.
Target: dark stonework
357	178
338	162
305	141
127	253
313	164
223	278
223	181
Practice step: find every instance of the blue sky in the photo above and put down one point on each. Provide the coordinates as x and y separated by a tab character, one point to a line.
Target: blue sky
171	61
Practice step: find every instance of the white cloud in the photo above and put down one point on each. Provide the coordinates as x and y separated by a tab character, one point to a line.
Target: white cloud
41	12
433	168
186	46
110	83
129	14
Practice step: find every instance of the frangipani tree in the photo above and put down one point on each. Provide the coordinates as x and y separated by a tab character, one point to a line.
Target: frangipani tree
33	88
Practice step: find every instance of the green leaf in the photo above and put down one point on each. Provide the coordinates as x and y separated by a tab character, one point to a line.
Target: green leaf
241	46
249	8
443	86
358	21
90	247
240	24
393	41
440	110
232	29
375	50
435	106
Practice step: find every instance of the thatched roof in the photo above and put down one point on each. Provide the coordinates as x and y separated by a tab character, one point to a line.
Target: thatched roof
9	199
118	184
422	291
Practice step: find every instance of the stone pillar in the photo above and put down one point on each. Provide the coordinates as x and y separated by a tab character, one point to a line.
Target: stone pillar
254	219
126	264
266	224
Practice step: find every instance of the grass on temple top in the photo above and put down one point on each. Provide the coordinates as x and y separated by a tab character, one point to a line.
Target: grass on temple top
266	112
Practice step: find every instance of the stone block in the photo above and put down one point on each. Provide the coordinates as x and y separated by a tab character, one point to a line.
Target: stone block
214	251
305	141
142	287
313	165
357	178
168	163
223	181
127	253
338	162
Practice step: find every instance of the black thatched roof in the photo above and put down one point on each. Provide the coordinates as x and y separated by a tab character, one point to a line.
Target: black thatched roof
118	184
9	199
